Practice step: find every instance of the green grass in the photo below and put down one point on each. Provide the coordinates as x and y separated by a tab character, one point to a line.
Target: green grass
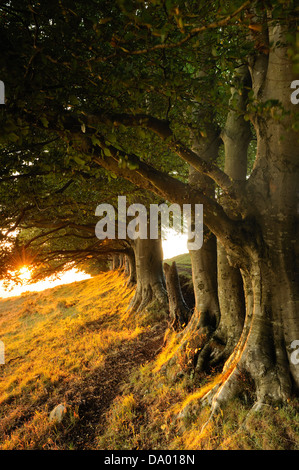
183	263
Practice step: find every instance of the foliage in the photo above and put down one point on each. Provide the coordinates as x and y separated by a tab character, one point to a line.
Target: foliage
88	83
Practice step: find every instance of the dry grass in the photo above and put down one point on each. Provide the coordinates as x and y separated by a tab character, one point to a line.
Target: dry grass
59	344
169	415
54	339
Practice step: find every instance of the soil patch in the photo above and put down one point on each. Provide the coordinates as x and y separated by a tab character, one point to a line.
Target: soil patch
94	395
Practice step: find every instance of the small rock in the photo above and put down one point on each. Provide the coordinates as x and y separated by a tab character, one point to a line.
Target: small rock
57	414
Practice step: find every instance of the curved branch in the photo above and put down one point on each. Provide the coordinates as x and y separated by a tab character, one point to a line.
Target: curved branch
233	189
194	32
173	190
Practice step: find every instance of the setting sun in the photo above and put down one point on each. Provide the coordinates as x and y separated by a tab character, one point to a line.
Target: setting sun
24	274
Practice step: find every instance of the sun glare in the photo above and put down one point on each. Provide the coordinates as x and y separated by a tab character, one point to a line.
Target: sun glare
24	274
174	244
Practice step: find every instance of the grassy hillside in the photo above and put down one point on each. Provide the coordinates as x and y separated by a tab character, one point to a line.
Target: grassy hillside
79	345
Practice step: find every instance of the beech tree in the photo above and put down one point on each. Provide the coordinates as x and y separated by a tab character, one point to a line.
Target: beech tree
130	87
52	226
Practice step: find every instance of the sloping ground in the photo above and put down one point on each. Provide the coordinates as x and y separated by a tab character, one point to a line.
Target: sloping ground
79	345
74	345
183	263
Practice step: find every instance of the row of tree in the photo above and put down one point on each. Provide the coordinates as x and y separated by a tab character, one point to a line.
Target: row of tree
164	100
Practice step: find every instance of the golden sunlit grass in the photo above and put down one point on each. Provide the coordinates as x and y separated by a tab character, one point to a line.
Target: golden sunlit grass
58	341
56	337
168	413
155	413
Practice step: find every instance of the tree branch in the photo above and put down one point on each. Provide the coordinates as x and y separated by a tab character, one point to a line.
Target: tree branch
233	189
194	32
171	189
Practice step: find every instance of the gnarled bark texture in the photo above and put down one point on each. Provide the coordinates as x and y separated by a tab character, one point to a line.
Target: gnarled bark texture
179	311
236	137
270	261
132	277
150	290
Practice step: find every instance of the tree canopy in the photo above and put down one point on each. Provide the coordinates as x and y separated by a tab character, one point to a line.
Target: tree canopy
190	101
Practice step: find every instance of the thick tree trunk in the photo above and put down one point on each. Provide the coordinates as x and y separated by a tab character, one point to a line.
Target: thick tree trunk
232	307
206	314
270	269
204	275
236	137
179	312
204	261
150	290
132	279
263	350
115	262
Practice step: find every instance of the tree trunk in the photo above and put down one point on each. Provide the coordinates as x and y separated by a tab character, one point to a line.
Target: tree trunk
132	268
204	261
150	293
264	348
115	262
270	267
121	257
126	266
206	315
179	312
236	137
232	307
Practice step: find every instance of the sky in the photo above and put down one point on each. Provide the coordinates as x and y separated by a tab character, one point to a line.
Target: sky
176	244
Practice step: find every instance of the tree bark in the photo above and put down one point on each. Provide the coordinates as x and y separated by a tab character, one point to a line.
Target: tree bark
236	137
126	265
179	312
150	293
203	261
270	272
206	314
115	262
132	279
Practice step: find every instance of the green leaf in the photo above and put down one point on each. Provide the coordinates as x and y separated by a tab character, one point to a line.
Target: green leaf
78	160
132	165
44	121
107	152
95	141
13	137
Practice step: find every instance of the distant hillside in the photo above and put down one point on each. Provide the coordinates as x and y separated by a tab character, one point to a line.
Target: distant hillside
183	263
79	346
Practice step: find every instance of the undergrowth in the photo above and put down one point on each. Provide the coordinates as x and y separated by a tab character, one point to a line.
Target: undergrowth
167	415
